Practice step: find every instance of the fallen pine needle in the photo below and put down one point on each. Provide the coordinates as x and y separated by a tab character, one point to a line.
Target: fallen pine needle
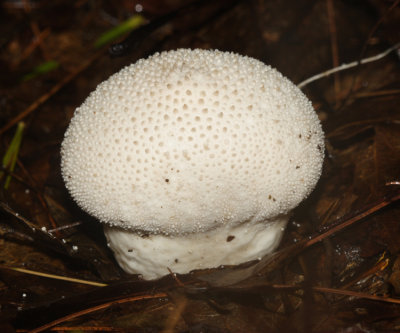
94	309
53	276
78	328
352	220
343	292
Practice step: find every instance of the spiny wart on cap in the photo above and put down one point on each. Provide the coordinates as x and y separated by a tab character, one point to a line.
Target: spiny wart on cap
192	141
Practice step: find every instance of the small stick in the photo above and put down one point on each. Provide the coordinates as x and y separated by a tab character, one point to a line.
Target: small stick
96	308
352	220
349	293
32	46
65	227
334	44
40	197
378	93
178	282
79	328
42	99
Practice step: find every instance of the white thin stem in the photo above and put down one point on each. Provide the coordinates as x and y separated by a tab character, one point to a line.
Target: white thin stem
347	66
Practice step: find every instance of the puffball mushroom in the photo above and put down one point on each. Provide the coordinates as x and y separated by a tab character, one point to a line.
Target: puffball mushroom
192	159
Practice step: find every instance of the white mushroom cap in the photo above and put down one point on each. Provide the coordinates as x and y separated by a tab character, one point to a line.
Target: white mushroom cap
189	144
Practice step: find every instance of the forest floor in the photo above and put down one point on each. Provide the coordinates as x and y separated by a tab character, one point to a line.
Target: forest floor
338	266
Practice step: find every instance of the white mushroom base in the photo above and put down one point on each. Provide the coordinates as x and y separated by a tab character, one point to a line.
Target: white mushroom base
151	256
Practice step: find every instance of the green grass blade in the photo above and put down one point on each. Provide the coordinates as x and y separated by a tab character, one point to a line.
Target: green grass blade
130	24
11	155
41	69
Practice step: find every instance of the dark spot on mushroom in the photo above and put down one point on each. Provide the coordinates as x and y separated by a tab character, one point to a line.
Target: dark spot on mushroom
144	235
167	180
297	166
230	238
176	260
319	147
130	250
300	136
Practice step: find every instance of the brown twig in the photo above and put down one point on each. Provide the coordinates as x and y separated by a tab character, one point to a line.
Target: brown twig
178	282
40	197
32	186
271	262
28	223
368	211
343	292
378	93
334	45
45	97
37	40
65	227
380	266
96	308
37	33
79	328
